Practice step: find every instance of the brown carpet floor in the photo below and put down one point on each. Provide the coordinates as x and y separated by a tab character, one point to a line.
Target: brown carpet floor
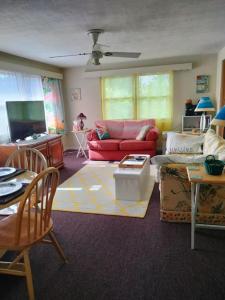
119	258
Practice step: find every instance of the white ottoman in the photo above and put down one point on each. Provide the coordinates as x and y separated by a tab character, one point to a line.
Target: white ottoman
131	184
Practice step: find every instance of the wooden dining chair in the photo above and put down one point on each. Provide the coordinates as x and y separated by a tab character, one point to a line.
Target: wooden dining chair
27	158
30	225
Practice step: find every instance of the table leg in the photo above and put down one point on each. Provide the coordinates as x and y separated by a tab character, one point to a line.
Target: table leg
194	202
81	143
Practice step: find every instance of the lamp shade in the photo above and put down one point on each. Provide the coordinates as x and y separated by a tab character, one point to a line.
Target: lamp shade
205	104
219	118
81	116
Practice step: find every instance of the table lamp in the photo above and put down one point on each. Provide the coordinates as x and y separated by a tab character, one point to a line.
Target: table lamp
219	119
81	117
204	105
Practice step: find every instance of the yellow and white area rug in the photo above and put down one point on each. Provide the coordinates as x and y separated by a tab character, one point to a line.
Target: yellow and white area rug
92	190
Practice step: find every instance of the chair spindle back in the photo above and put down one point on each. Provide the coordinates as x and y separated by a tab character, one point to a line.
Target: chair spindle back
33	219
27	158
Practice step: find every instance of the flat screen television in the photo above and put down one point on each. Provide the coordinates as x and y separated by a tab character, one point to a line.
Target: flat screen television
25	118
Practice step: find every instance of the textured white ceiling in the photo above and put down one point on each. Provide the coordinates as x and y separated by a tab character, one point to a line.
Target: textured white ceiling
157	28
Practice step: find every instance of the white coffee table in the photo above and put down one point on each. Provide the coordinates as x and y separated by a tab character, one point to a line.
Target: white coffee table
131	184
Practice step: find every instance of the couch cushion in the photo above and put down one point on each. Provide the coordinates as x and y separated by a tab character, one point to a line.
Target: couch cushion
136	145
178	158
124	129
104	145
132	127
183	143
142	133
115	128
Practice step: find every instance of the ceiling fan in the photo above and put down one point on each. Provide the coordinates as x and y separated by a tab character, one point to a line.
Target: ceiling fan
97	53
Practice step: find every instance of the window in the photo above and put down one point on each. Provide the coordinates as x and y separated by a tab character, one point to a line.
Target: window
16	87
118	98
138	97
23	87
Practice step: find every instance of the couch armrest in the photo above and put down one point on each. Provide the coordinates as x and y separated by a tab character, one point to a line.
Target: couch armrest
152	134
92	135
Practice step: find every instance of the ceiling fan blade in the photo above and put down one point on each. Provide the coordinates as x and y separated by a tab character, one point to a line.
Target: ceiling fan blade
67	55
123	54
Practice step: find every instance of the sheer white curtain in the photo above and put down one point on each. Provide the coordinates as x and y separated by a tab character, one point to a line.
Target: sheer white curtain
16	87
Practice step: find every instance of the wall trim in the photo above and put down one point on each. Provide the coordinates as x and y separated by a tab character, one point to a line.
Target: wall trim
7	66
142	70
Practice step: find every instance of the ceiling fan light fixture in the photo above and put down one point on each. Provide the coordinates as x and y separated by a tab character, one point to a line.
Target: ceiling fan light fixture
97	53
96	61
94	34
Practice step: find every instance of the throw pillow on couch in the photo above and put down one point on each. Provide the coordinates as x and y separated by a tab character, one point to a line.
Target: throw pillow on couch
183	143
102	133
142	133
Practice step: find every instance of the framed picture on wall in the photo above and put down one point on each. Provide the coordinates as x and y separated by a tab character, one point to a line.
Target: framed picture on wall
202	84
76	94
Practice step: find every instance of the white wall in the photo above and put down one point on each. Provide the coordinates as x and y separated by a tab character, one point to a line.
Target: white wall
185	84
89	104
184	88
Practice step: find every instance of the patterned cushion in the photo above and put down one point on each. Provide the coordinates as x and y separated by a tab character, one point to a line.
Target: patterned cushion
175	198
160	160
102	133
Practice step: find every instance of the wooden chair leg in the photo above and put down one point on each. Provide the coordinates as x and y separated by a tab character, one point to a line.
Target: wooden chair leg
28	275
57	246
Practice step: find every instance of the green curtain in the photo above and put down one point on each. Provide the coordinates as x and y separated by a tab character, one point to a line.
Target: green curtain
53	105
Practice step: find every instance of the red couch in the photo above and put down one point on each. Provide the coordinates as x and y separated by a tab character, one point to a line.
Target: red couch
122	139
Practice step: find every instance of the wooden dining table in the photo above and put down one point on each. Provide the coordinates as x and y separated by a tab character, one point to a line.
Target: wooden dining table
11	206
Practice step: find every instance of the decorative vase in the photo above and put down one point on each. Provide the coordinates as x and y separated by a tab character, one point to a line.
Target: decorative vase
81	125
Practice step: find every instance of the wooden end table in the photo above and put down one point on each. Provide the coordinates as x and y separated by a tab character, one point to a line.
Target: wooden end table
197	175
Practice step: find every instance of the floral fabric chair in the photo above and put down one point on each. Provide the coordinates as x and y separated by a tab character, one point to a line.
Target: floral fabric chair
175	198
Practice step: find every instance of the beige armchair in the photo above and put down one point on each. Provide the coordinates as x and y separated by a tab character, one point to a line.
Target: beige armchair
175	198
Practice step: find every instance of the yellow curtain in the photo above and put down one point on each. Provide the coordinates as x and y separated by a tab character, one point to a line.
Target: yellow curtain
139	97
155	99
118	97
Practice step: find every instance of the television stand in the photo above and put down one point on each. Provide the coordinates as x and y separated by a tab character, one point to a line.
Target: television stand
49	145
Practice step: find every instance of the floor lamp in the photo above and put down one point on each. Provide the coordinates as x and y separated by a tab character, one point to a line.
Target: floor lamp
204	105
219	119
